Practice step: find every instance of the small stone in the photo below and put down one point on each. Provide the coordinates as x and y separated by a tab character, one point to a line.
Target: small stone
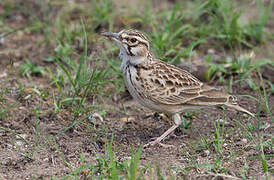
2	40
20	33
95	116
207	152
244	140
18	143
222	122
22	108
16	64
4	74
115	98
211	51
5	161
86	154
7	124
127	119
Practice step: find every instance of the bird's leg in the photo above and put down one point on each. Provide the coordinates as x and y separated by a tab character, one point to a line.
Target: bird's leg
177	120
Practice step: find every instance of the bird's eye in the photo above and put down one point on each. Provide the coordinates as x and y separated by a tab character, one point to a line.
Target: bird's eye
133	40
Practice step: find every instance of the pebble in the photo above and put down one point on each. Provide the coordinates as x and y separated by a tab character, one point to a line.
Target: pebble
86	154
16	64
211	51
19	18
5	161
207	152
7	124
127	119
222	122
94	116
18	143
244	140
4	74
20	33
2	40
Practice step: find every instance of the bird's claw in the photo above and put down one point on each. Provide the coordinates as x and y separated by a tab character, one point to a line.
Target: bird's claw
155	142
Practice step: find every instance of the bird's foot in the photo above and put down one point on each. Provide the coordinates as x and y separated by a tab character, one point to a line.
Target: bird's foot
158	142
159	139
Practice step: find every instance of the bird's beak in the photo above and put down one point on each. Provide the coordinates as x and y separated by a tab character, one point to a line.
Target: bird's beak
111	35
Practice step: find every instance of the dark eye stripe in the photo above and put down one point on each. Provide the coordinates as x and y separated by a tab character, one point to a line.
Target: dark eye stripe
129	50
139	42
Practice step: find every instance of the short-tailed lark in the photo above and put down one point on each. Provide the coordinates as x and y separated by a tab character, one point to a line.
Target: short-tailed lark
160	86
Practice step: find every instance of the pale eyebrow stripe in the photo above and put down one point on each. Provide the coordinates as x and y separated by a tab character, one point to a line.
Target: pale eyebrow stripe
139	38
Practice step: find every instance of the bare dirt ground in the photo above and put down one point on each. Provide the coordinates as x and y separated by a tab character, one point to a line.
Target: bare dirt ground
131	129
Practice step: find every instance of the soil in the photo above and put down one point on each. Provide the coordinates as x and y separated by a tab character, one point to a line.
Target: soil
44	152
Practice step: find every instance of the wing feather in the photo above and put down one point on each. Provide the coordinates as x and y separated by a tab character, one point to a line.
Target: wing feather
167	84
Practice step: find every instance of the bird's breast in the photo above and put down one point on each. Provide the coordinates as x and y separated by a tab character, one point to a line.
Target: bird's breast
136	90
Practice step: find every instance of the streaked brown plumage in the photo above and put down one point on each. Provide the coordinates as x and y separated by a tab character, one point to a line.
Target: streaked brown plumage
161	86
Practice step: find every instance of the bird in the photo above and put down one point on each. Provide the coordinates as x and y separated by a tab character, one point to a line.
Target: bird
160	86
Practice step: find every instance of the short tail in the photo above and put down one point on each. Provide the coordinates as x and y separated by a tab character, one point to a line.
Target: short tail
240	109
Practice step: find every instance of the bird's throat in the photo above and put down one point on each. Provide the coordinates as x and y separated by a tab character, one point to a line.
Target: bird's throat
131	60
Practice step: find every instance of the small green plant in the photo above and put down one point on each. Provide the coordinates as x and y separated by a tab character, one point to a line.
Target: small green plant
219	135
241	66
264	96
78	79
224	18
255	29
4	110
58	79
108	167
187	120
167	41
28	69
102	14
7	7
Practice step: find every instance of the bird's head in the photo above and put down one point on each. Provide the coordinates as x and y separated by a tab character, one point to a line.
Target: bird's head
132	43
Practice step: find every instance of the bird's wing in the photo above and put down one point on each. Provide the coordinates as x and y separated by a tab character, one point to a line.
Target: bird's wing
167	84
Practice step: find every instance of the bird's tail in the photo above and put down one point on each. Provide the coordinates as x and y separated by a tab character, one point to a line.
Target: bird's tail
239	108
214	96
232	102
